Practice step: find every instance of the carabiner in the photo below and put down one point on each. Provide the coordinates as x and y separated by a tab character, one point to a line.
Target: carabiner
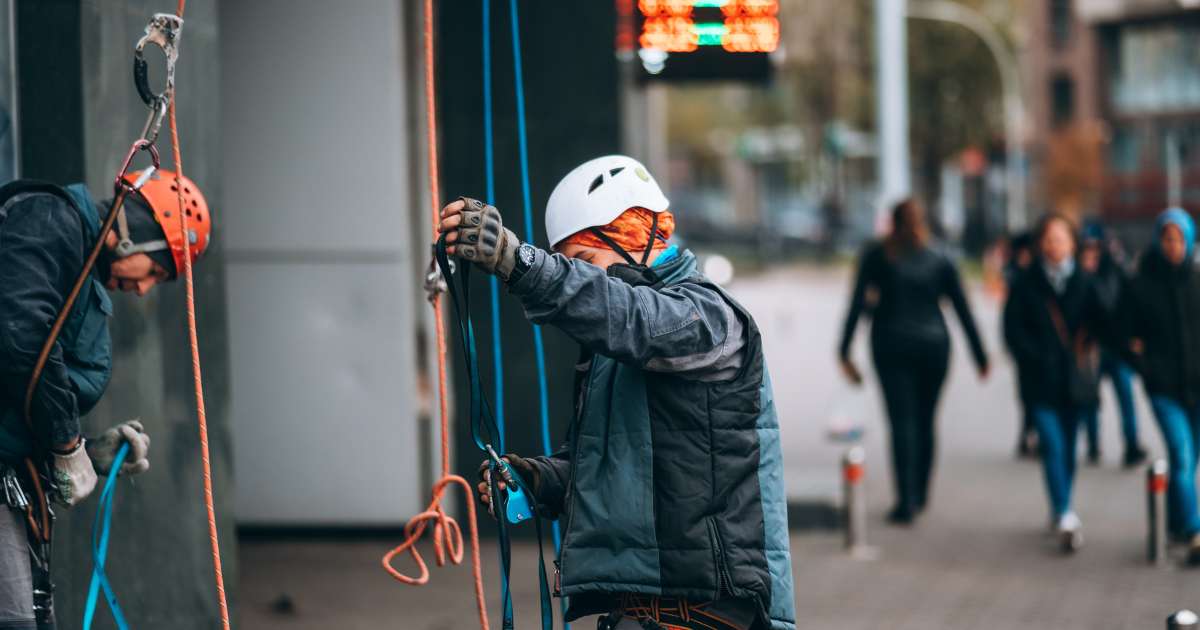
163	31
141	144
435	282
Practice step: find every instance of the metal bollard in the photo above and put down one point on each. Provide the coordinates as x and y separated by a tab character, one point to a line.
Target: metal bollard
855	498
1183	619
1156	504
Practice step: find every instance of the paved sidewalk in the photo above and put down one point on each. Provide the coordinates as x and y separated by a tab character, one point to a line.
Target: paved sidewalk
979	559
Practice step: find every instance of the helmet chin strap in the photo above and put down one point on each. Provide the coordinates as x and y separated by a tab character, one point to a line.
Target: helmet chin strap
621	250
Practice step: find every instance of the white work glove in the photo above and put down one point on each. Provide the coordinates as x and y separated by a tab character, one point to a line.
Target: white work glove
103	450
74	477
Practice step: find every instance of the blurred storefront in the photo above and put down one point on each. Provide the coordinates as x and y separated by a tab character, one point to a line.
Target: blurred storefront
1116	105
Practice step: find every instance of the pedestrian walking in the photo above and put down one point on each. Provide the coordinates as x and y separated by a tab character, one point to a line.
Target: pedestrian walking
1021	256
903	280
1102	257
1052	322
670	486
1163	315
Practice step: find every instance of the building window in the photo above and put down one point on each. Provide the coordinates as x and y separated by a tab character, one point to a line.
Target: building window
1062	100
1060	23
1153	69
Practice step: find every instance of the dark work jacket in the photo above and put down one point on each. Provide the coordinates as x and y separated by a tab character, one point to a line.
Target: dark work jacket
669	484
1163	310
43	243
907	319
1045	363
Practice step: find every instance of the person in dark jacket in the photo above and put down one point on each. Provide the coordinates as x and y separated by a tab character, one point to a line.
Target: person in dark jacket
910	344
670	485
1163	318
1021	256
1101	256
1052	321
46	233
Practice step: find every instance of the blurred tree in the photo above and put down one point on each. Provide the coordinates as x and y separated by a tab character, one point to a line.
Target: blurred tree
955	94
824	79
1074	172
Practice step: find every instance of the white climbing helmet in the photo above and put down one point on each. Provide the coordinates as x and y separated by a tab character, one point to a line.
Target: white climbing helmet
598	191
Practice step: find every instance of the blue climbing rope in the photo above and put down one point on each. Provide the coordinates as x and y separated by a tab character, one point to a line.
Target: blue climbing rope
523	144
101	528
539	349
489	167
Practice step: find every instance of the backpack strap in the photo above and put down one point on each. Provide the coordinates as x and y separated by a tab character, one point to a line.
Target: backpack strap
35	186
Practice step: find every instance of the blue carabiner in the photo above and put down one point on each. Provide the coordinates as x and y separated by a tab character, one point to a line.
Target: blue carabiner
517	508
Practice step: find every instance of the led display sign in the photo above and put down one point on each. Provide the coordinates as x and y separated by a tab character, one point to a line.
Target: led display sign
706	39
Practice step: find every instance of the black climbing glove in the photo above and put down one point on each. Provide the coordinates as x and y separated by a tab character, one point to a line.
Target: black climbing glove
476	232
520	465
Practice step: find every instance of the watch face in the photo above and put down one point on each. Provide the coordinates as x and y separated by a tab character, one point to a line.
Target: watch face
525	253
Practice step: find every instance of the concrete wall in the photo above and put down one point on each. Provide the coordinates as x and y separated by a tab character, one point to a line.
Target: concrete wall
159	558
324	310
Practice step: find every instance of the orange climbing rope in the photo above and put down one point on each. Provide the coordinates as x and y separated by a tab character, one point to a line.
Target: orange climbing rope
196	374
447	534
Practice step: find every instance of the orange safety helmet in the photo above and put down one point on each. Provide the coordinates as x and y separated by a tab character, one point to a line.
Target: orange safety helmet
162	197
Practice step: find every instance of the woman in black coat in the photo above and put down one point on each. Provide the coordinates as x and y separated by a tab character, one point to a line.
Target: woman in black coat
1052	321
907	279
1163	314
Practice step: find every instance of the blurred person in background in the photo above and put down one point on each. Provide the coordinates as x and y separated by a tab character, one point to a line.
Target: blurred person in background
1163	318
1052	321
1021	256
904	277
1101	257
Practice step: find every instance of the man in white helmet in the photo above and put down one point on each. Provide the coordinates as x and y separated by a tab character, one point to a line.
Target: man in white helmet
670	485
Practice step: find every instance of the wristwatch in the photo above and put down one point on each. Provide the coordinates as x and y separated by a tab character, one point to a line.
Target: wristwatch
526	254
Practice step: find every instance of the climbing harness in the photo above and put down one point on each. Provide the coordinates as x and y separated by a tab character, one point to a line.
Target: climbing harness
101	528
447	534
484	429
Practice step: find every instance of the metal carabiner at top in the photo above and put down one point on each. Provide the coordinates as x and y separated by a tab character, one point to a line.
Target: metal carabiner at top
163	31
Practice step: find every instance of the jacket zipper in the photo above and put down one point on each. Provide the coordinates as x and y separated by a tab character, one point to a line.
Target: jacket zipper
724	582
558	566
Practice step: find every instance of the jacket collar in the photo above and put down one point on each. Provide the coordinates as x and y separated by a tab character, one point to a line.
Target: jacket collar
675	270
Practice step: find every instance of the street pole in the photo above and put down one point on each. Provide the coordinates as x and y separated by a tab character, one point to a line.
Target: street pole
891	98
1156	506
1010	81
854	510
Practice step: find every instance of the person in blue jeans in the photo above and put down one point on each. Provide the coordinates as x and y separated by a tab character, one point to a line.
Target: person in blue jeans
1052	321
1163	319
1103	257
